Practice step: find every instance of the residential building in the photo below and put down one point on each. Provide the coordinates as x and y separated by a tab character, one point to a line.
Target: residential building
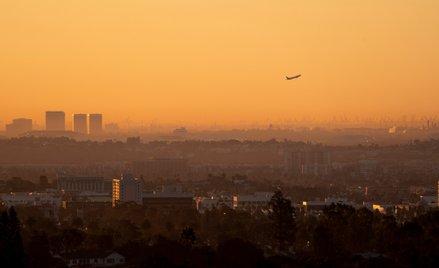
169	196
252	203
208	203
93	258
127	189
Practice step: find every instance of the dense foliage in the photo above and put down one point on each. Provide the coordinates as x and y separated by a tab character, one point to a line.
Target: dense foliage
340	236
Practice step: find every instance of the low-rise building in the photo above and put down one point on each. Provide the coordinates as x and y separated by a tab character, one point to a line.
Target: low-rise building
91	258
251	203
208	203
31	199
316	207
169	196
79	184
428	201
48	203
89	200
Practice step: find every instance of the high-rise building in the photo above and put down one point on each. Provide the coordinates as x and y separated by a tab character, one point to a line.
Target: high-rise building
55	121
95	124
127	189
19	126
80	123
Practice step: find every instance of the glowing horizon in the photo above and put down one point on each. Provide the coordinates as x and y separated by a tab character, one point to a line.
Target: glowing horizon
200	62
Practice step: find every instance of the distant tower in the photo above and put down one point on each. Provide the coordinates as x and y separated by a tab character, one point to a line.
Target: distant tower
80	123
95	124
127	189
19	126
55	121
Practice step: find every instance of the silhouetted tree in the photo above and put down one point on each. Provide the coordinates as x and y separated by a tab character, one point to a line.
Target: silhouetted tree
323	241
30	222
360	230
44	182
39	251
11	244
164	248
238	253
128	231
157	262
101	241
17	250
77	223
337	218
146	225
72	239
146	228
187	238
4	236
282	216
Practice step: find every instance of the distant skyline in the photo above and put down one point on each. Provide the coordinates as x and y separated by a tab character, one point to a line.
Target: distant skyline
290	123
201	63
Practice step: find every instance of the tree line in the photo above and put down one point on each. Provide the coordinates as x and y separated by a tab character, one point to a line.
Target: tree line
280	236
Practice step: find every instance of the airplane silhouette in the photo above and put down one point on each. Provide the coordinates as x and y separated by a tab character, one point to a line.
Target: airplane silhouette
294	77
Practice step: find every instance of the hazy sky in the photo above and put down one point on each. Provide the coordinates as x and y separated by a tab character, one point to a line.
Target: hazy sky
220	61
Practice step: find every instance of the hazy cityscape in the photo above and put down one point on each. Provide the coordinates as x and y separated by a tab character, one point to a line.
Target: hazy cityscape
96	198
219	134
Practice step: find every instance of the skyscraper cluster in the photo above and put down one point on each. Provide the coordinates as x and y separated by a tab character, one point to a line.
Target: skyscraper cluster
82	123
91	124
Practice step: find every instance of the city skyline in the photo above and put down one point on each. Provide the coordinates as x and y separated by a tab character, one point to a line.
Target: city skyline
251	133
82	123
82	119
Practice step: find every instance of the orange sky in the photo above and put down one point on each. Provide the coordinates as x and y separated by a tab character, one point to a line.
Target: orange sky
224	61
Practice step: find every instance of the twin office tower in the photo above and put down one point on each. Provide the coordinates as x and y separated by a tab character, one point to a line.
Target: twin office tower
56	121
